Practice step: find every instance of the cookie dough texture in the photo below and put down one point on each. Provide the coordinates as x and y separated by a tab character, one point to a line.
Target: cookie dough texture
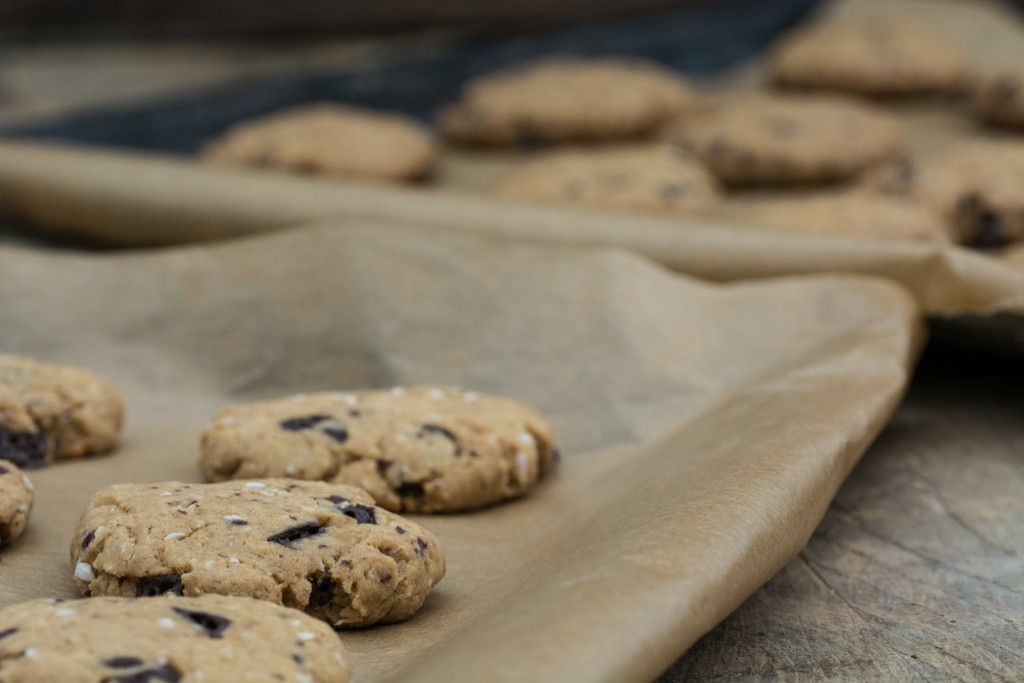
322	548
978	187
849	214
50	412
876	57
419	449
660	179
999	98
16	498
180	640
330	140
792	140
563	99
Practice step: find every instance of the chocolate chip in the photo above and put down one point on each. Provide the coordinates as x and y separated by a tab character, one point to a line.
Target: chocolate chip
123	662
322	590
361	513
8	632
89	537
410	490
978	223
399	529
338	500
213	624
149	586
339	433
423	546
239	522
165	673
355	413
297	424
298	659
384	575
3	470
438	429
383	465
25	449
296	533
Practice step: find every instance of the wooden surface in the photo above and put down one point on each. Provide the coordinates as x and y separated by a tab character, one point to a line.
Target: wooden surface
917	571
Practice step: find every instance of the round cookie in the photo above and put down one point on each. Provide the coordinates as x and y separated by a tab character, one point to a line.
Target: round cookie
792	140
323	548
330	140
16	498
847	214
212	638
999	98
422	449
877	57
564	98
656	179
50	412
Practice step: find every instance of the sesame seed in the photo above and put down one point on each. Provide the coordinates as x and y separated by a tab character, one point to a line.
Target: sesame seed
234	518
232	560
83	572
255	485
436	394
31	653
174	535
525	438
28	483
351	400
23	507
305	635
166	493
166	622
397	391
469	396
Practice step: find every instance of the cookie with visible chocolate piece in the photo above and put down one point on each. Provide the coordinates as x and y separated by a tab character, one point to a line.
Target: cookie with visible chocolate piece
212	638
422	449
661	179
49	412
562	99
330	140
875	56
791	140
999	98
323	548
16	498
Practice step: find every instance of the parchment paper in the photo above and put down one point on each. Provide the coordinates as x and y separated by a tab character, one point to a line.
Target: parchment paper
705	427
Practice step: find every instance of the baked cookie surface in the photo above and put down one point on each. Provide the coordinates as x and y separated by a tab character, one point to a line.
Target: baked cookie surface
323	548
655	179
330	140
50	412
418	449
999	98
876	57
564	98
16	499
180	640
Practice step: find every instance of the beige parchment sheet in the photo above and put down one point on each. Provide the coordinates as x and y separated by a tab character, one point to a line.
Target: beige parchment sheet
705	427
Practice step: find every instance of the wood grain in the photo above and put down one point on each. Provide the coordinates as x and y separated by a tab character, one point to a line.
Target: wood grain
916	572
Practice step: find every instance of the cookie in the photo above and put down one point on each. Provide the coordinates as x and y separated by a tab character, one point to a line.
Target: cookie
16	500
330	140
875	57
564	98
323	548
422	449
846	214
212	638
49	412
655	179
999	98
978	187
792	140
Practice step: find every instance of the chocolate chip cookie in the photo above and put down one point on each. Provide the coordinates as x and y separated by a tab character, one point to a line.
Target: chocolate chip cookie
16	498
420	449
330	140
323	548
1000	97
564	98
656	179
878	57
791	140
50	412
212	638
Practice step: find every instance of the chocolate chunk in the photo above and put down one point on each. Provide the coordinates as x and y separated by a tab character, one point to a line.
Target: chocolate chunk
297	424
382	466
322	591
123	662
25	449
296	533
361	513
150	586
423	546
438	429
213	624
89	537
165	673
338	433
399	529
410	490
338	500
8	632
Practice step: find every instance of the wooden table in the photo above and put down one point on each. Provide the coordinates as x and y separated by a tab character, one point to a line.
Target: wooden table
917	570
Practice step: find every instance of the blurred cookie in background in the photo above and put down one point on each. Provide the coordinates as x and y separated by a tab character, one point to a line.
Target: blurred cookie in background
999	98
651	178
330	140
564	99
875	57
